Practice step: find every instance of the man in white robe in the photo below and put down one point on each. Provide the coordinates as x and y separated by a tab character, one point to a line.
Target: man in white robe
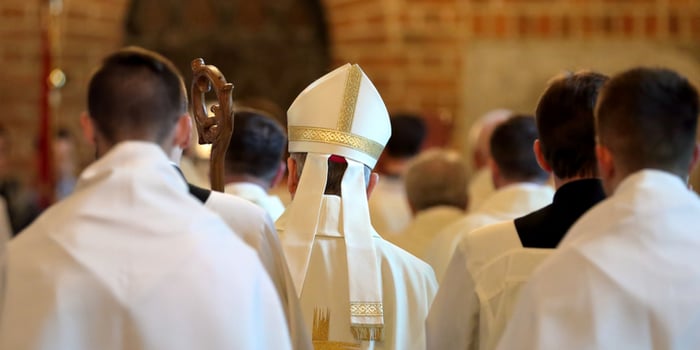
388	206
435	186
254	163
626	274
480	185
357	291
521	188
253	224
131	260
489	266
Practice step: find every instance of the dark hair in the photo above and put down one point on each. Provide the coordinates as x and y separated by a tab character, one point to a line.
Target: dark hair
648	117
511	149
136	94
565	124
257	145
408	132
334	178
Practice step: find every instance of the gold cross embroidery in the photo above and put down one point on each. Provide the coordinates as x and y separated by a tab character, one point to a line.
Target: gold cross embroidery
321	332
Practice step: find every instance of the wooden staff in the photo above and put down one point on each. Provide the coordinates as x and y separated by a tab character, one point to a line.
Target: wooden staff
214	130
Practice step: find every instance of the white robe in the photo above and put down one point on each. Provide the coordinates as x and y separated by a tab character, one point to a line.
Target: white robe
480	188
408	287
388	206
131	261
625	277
253	225
256	194
507	203
424	227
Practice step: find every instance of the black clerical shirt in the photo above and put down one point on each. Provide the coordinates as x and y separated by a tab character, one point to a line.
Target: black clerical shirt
546	227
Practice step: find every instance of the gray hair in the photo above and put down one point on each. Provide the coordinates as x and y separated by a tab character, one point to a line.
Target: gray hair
335	173
437	177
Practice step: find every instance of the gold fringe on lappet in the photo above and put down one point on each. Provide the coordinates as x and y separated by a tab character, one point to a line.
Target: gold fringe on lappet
367	332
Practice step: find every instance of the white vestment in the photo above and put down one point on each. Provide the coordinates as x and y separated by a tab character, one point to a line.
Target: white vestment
625	277
507	203
131	261
424	227
388	206
408	287
254	226
480	188
256	194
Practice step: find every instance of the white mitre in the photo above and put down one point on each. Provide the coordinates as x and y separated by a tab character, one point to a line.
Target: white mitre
339	114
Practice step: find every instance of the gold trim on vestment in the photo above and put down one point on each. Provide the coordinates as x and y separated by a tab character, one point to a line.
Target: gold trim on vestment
352	90
322	135
366	309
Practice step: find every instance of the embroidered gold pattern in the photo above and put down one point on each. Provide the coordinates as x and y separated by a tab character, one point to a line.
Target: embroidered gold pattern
364	145
321	333
366	309
352	90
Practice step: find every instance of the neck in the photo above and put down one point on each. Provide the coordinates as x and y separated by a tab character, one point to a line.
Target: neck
501	182
247	178
558	183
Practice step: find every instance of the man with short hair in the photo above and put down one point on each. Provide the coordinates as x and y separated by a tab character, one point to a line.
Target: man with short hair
480	185
357	291
625	275
485	296
388	206
131	260
436	183
521	188
254	163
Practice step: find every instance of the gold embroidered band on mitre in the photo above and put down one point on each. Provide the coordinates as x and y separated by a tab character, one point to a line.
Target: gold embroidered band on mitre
352	90
322	135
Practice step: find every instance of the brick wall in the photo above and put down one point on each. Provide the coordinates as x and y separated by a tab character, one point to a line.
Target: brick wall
414	50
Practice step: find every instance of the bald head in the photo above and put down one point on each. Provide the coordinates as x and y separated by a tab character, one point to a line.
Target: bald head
436	177
480	135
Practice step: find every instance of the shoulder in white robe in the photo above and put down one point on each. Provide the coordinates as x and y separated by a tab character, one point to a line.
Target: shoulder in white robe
625	276
424	227
254	226
408	287
132	261
507	203
256	194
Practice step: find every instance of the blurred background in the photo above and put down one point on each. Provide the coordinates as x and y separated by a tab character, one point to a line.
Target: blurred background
447	60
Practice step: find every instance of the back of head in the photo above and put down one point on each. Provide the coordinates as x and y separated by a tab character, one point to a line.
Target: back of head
408	132
437	177
136	95
565	124
480	135
511	150
647	118
257	145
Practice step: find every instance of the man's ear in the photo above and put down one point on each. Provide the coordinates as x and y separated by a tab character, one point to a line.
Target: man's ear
373	181
694	160
281	168
606	165
183	131
88	127
292	179
539	155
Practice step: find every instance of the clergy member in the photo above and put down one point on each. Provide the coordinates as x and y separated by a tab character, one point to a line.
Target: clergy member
485	296
388	206
626	274
254	159
521	187
131	260
436	183
480	185
357	291
253	224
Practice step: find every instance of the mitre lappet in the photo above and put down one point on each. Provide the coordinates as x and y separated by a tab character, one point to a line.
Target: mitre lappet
340	116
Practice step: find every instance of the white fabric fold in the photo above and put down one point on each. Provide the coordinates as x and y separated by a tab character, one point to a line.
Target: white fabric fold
366	308
303	217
